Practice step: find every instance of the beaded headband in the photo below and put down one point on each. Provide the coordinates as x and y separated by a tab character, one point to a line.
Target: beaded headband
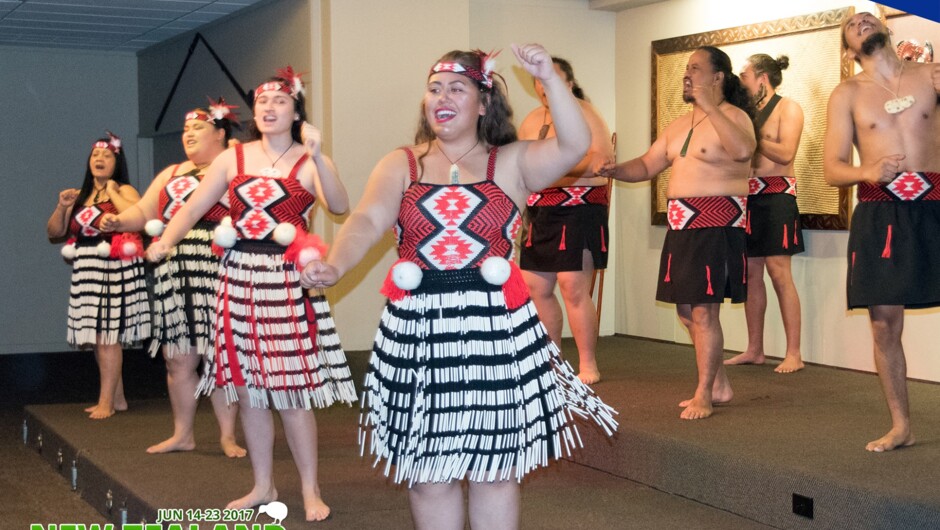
218	110
482	75
113	144
294	83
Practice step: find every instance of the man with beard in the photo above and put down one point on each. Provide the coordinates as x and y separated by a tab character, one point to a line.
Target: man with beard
703	260
773	219
889	112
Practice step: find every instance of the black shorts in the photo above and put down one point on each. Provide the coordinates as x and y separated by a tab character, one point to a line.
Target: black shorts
703	266
894	254
555	237
773	225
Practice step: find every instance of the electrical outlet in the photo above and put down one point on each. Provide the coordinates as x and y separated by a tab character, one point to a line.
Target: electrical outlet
803	505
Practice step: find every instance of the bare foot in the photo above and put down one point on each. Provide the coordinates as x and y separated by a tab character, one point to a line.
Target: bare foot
892	440
316	509
254	498
100	412
120	406
91	408
696	409
589	377
790	364
173	444
232	449
747	357
720	396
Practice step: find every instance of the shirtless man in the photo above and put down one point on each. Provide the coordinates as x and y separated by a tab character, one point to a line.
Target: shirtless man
889	111
703	260
773	222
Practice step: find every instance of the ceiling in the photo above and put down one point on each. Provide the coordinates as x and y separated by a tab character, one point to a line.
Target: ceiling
106	25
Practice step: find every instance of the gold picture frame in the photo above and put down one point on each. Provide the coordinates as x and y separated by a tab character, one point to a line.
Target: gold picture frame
817	65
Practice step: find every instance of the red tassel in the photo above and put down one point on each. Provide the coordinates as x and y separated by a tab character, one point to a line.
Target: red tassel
852	272
708	276
389	289
217	250
528	238
786	240
796	233
748	229
668	268
71	241
603	243
515	290
562	245
154	239
886	253
744	259
304	240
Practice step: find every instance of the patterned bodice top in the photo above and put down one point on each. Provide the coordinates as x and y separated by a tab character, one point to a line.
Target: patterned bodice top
176	192
259	204
456	226
86	220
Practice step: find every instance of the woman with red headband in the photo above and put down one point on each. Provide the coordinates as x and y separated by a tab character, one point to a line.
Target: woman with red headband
274	346
464	382
186	283
108	307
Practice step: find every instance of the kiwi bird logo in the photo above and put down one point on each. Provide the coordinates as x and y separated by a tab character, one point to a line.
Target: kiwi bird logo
277	511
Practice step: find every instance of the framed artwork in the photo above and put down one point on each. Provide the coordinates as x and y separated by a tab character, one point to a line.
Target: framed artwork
812	43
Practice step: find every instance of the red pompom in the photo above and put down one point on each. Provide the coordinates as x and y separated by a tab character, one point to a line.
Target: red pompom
217	250
302	241
127	246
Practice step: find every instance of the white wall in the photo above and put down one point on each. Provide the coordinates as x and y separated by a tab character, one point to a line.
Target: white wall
56	103
831	335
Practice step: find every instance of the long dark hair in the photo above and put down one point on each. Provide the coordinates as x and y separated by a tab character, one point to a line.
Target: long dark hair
565	67
731	89
300	107
765	64
119	175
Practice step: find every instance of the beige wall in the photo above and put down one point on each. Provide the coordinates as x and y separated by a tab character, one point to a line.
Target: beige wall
380	53
831	335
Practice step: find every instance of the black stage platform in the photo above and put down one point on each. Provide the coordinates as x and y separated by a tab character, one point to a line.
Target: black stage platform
787	443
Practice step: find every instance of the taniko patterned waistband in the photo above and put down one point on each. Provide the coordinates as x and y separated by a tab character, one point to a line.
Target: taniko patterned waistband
706	212
906	186
765	185
570	196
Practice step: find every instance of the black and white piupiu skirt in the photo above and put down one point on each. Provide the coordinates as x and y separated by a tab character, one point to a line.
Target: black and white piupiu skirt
108	299
460	386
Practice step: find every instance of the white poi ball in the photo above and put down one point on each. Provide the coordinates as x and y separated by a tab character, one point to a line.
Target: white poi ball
129	248
306	255
103	249
495	270
154	227
284	233
68	252
225	235
407	275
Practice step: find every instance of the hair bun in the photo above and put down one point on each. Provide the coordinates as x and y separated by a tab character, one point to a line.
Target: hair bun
783	62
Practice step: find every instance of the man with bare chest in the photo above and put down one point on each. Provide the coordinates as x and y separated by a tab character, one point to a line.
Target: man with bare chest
889	112
703	260
773	228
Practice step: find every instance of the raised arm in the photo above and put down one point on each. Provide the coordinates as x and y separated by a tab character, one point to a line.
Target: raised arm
783	151
375	214
837	148
600	150
58	224
322	174
542	162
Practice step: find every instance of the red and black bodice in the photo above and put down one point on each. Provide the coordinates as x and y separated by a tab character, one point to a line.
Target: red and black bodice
177	191
456	226
86	221
259	204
